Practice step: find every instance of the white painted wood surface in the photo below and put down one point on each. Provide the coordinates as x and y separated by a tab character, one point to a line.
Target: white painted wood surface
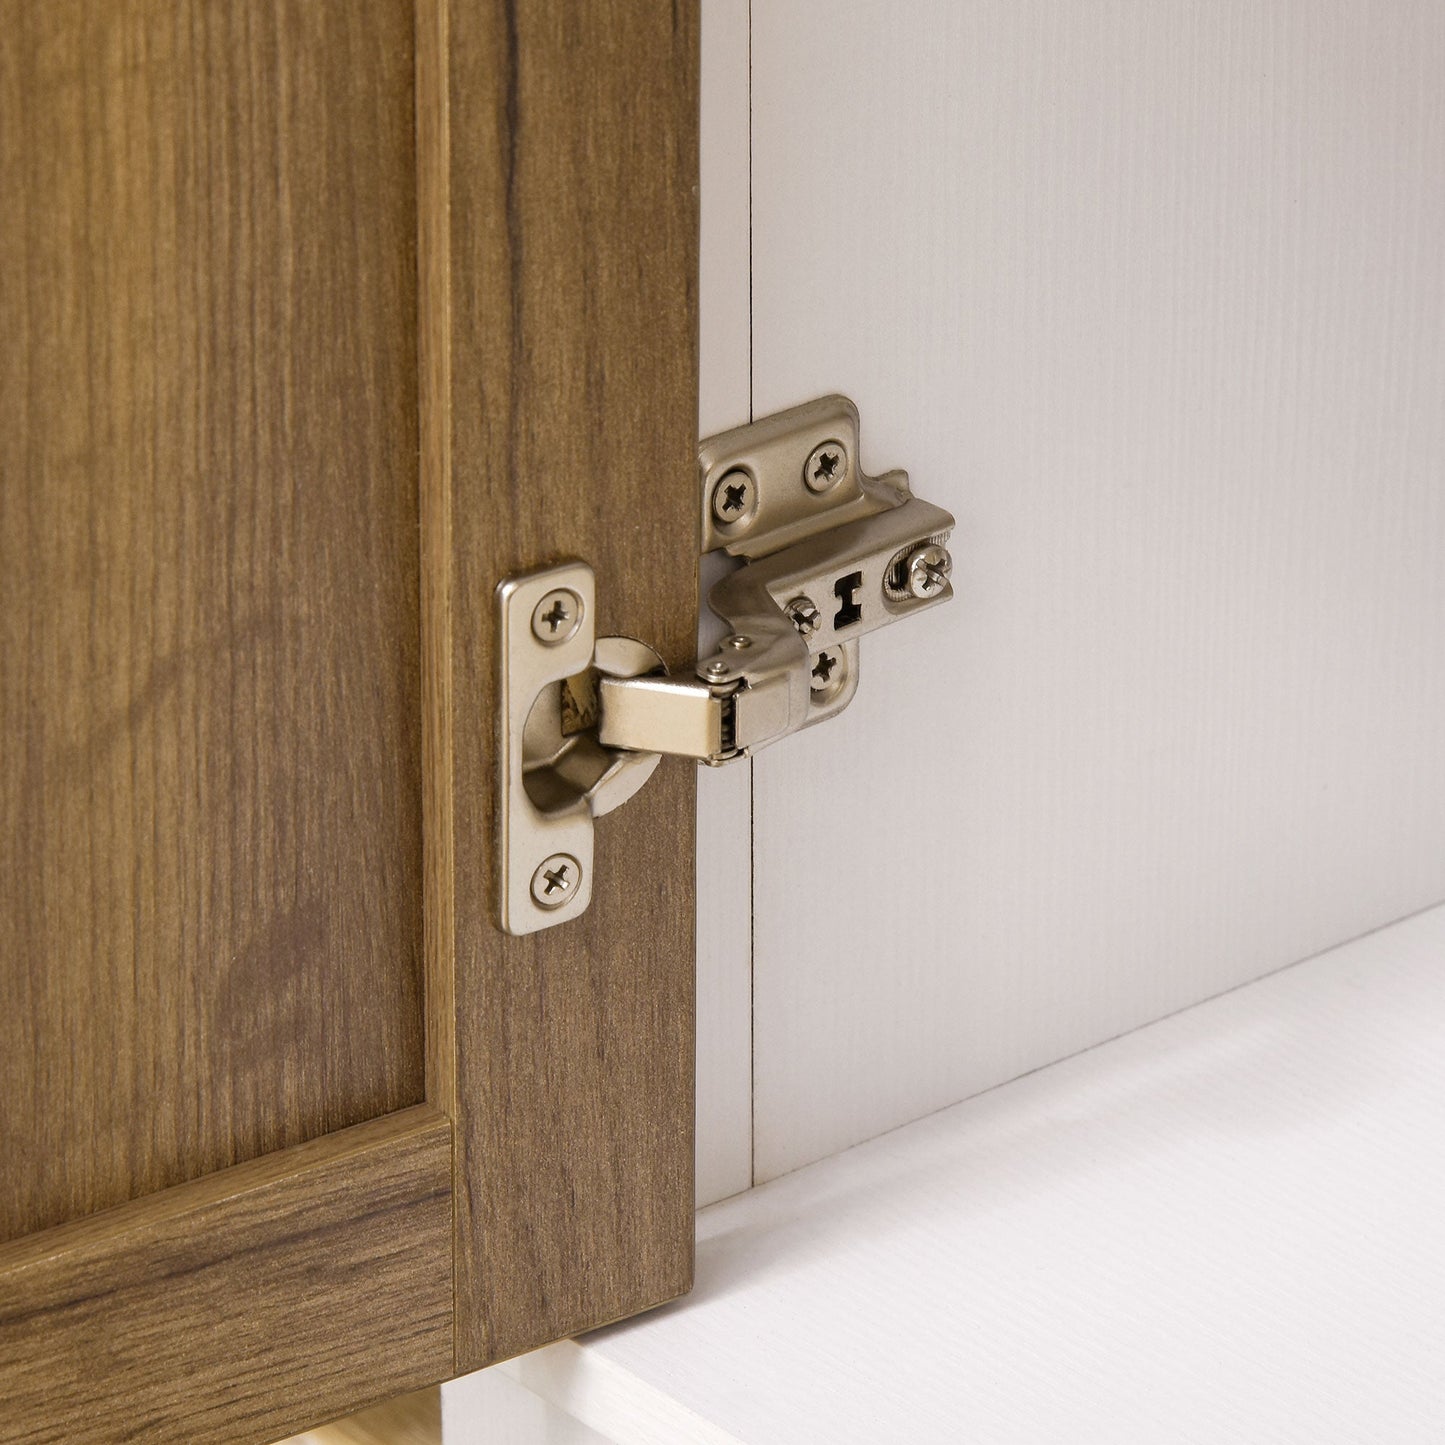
1228	1226
724	818
1152	295
489	1407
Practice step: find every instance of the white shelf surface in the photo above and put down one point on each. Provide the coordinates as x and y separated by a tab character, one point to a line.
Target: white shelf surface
1227	1226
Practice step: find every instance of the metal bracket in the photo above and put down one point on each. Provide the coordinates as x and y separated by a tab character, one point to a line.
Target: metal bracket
828	554
555	776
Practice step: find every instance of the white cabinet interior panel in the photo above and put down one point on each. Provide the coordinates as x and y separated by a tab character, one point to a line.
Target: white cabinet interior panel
489	1407
1152	296
1225	1229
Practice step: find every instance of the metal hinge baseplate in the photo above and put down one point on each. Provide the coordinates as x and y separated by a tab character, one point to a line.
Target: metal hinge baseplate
827	554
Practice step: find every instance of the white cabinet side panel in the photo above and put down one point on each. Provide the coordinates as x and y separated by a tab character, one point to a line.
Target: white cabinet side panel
492	1407
1152	296
1228	1227
724	817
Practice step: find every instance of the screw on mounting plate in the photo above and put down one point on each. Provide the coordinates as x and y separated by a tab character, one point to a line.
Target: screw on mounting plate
826	466
826	676
734	499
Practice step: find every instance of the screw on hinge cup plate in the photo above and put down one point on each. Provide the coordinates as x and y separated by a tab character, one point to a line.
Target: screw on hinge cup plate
555	880
556	618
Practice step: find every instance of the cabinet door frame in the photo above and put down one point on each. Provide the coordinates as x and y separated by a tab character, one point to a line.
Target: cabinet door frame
559	257
545	1186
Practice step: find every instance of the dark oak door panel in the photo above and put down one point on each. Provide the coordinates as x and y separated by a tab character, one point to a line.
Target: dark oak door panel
242	1306
210	781
559	247
317	319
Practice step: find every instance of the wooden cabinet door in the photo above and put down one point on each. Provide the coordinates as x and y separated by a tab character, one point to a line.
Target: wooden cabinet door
316	320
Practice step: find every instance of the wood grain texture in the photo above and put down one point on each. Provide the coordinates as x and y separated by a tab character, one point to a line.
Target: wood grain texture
241	1306
210	809
558	174
1150	296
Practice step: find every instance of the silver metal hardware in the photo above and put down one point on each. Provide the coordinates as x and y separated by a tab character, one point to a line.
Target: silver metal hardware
557	616
827	465
828	676
804	615
734	499
928	570
555	880
555	775
827	554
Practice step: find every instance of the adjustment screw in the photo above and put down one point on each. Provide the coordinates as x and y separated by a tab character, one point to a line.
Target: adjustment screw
928	570
826	679
556	880
804	616
556	618
734	498
826	466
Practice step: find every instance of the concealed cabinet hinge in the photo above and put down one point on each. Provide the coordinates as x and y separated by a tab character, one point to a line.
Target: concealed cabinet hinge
828	554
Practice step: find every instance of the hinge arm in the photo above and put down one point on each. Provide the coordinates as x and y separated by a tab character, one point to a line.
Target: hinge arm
673	716
788	661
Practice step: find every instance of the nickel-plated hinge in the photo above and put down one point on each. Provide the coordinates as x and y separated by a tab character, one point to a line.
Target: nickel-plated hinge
827	555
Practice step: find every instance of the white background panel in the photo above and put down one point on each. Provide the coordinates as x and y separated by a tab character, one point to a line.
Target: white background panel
1228	1227
1151	295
